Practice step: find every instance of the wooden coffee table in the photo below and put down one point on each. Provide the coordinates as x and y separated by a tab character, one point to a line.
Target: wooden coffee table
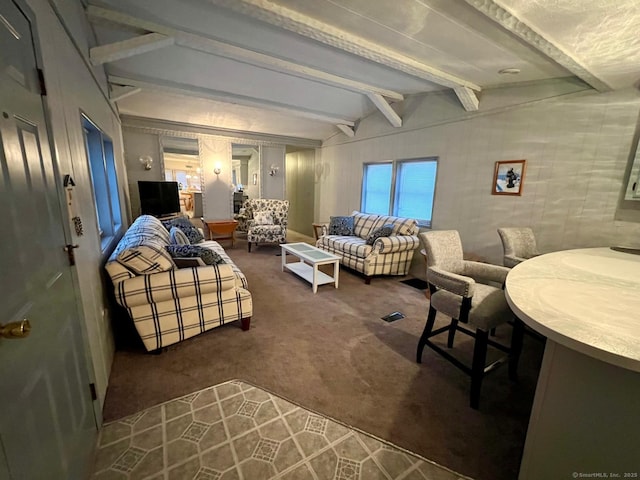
221	229
310	258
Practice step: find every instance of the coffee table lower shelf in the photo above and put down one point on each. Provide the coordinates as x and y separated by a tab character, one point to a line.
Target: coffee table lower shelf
306	271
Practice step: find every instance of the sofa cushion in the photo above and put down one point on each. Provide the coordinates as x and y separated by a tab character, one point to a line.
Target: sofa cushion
379	232
341	226
363	223
401	226
349	245
190	230
263	218
146	259
208	256
178	237
145	230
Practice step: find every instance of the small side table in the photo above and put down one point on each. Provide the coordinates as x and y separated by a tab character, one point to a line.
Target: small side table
317	229
221	229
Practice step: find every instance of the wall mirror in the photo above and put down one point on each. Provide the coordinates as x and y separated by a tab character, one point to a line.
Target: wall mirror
633	186
182	164
245	173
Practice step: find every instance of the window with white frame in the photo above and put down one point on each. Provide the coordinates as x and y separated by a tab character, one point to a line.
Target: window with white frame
104	180
403	188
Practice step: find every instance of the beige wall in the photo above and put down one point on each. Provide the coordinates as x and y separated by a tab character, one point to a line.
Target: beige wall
300	190
576	143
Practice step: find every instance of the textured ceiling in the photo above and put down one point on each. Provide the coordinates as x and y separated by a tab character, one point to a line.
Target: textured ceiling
604	35
288	67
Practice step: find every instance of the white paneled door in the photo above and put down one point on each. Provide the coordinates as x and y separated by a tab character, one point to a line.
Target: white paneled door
47	425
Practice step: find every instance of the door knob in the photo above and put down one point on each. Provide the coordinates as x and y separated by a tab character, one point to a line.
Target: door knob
15	329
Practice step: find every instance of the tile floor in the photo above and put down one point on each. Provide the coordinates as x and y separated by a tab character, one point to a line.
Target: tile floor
237	431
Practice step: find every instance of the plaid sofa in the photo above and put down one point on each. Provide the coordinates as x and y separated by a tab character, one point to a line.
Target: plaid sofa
390	255
167	304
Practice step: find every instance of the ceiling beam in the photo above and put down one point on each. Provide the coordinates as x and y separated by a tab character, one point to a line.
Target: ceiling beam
162	126
118	93
385	108
128	48
217	95
309	27
222	49
468	98
347	130
511	22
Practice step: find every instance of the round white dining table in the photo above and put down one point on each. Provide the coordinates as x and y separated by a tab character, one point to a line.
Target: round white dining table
585	420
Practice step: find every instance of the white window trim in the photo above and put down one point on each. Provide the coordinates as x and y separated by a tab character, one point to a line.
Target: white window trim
422	223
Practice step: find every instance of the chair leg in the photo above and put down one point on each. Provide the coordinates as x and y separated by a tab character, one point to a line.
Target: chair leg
452	332
477	368
431	319
249	247
516	348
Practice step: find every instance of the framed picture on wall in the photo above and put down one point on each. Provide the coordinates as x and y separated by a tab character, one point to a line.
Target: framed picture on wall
509	177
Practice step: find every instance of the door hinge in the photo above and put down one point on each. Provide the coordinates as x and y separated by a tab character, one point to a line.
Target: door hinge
94	394
70	253
43	86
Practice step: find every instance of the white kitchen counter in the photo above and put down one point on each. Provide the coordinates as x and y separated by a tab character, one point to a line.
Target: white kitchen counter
586	413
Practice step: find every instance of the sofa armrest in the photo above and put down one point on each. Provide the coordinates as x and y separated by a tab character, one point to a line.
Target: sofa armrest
396	243
182	283
451	282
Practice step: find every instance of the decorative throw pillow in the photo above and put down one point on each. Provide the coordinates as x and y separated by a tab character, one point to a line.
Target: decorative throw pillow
178	237
209	257
263	218
383	231
188	228
145	259
341	226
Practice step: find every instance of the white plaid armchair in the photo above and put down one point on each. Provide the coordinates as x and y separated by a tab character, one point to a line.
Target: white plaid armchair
266	220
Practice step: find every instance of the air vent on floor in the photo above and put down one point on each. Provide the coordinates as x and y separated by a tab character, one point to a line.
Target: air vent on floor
393	316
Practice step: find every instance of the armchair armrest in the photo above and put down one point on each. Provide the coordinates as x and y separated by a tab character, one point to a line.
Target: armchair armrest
396	243
511	261
173	284
486	271
451	282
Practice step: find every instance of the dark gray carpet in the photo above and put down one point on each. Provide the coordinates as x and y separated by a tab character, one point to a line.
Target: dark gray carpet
332	353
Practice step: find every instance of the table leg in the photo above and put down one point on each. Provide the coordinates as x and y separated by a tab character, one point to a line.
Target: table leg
336	272
315	278
283	258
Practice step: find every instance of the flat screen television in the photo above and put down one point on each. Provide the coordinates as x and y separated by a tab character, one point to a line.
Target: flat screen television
159	198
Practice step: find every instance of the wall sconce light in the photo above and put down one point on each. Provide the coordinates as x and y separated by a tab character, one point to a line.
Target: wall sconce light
146	162
217	170
273	169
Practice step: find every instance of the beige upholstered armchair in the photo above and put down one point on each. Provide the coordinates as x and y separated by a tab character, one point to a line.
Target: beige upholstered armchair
469	293
266	220
519	244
